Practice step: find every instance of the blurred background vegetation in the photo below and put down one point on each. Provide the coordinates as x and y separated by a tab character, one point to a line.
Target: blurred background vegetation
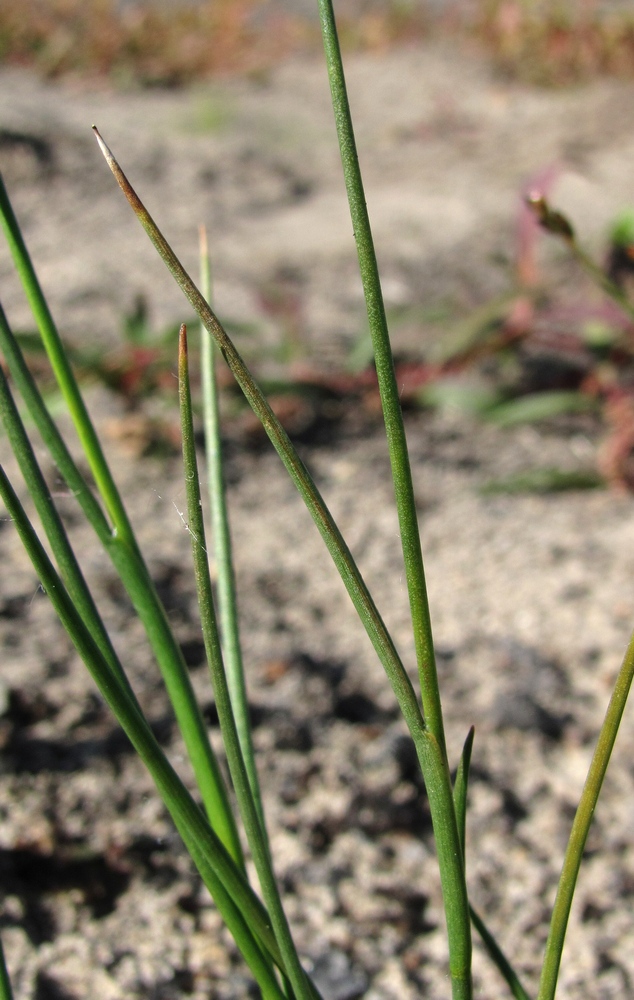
163	43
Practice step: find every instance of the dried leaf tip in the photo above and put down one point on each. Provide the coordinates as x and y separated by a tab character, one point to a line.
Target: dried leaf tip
202	241
182	341
102	146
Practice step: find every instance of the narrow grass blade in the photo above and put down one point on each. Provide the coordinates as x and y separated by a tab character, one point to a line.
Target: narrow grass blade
243	912
581	826
450	861
499	958
6	993
451	864
546	480
248	810
353	581
56	534
461	787
392	413
227	597
62	369
119	541
433	760
538	406
50	435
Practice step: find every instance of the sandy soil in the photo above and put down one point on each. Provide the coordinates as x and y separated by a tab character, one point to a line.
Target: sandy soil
531	596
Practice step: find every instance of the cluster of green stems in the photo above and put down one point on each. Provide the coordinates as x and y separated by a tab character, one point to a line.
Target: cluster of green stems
257	922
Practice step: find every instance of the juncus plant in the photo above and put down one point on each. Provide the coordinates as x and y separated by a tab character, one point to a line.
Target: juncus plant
256	919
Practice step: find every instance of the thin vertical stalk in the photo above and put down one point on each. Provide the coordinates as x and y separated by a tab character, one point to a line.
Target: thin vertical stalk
451	864
581	827
392	413
499	959
248	811
226	587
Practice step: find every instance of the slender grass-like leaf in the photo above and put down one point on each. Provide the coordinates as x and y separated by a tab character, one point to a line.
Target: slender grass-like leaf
547	480
498	957
119	541
250	816
56	534
226	587
353	581
392	413
450	858
538	406
243	912
461	787
53	440
62	370
581	827
432	758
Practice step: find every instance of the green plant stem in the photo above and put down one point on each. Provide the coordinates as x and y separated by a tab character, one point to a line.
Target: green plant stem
243	912
581	826
248	811
133	572
227	596
432	759
63	371
392	413
557	224
119	542
451	865
69	568
498	957
6	993
601	278
353	581
53	440
460	789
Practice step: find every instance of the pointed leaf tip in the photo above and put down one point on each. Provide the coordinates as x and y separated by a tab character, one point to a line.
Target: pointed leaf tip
103	147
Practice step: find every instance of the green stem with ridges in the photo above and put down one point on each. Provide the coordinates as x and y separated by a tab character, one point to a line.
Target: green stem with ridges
248	811
581	827
227	597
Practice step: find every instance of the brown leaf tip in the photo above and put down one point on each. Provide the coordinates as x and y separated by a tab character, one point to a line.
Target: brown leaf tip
182	340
